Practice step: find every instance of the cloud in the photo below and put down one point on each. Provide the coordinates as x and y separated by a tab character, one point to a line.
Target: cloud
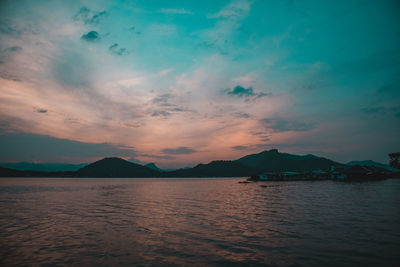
9	67
160	113
241	115
167	157
233	11
72	69
179	150
282	125
239	147
390	90
380	110
115	49
134	30
88	16
34	147
8	53
176	11
13	49
91	36
240	91
163	100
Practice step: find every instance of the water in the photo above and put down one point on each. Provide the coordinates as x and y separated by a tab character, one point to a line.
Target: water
116	222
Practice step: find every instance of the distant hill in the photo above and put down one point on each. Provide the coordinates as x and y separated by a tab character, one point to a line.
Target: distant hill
372	163
116	167
7	172
46	167
266	161
153	166
218	168
274	161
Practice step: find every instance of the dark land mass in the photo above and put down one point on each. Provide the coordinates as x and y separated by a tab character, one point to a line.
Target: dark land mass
217	168
153	166
274	161
116	167
46	167
7	172
371	163
266	161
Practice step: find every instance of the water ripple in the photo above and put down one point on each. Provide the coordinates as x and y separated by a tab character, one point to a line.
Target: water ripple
198	222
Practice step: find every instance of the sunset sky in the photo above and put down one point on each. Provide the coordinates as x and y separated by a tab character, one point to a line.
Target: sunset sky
184	82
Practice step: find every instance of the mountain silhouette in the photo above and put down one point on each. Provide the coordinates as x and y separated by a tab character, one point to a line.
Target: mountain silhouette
153	166
7	172
219	168
372	163
274	161
46	167
266	161
115	167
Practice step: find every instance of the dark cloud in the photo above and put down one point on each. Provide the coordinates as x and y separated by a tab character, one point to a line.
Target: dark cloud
160	113
41	110
11	27
389	90
88	16
281	125
8	53
163	102
7	29
91	36
262	136
115	49
179	150
4	74
9	70
13	49
241	115
34	147
240	91
381	110
239	147
157	156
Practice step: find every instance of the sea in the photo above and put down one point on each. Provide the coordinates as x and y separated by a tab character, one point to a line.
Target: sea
198	222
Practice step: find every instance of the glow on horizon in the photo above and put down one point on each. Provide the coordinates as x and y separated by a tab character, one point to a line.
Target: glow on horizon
183	83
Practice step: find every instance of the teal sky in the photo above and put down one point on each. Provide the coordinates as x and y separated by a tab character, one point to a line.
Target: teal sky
182	82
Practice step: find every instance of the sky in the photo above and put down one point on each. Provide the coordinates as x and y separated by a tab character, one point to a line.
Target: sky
183	82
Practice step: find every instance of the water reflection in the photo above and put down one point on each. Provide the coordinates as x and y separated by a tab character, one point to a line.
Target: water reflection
197	221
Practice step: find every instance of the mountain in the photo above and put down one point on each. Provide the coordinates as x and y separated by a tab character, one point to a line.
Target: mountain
153	166
274	161
219	168
47	167
7	172
372	163
116	168
266	161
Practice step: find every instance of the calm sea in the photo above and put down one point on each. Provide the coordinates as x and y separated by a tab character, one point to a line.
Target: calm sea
117	222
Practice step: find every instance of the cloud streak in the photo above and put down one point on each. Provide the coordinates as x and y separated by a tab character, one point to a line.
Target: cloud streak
282	125
88	16
183	150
